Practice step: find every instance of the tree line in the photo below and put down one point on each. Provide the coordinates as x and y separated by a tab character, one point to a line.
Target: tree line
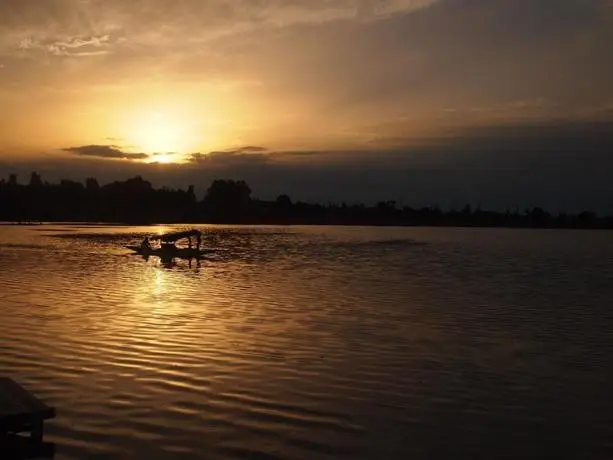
230	201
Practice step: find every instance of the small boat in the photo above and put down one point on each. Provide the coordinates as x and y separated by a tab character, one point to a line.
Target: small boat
168	248
172	251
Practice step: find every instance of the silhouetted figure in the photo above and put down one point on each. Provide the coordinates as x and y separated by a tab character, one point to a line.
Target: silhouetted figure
146	244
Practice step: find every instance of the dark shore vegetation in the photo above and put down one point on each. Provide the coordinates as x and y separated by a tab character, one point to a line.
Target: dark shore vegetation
136	201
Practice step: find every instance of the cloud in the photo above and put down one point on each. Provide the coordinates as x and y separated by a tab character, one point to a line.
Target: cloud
249	153
115	152
534	146
322	11
241	151
561	165
155	22
252	155
105	151
73	46
545	139
533	105
251	149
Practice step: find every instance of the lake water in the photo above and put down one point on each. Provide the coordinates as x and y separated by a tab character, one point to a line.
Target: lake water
315	342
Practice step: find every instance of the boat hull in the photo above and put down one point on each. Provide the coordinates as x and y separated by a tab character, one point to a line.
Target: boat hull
183	253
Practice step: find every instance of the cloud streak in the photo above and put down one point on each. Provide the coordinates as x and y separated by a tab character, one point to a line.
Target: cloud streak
73	46
60	27
111	152
561	165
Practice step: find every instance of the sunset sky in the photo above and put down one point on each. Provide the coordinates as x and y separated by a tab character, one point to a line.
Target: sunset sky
498	102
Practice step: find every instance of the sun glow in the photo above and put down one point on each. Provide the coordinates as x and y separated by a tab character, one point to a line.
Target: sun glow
166	158
163	134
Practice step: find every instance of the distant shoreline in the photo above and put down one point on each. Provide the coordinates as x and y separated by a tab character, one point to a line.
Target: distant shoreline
299	224
229	202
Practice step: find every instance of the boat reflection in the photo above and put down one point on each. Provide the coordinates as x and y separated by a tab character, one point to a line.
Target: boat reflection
169	261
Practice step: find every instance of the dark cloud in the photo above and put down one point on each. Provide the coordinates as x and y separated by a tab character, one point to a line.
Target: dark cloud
239	151
105	151
263	155
563	165
247	154
563	146
458	53
442	102
252	149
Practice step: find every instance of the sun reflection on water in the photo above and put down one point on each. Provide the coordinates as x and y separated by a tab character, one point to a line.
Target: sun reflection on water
159	283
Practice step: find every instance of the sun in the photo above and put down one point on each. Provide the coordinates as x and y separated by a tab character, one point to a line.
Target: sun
165	158
163	135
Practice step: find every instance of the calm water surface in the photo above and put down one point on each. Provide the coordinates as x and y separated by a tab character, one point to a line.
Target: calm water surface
315	343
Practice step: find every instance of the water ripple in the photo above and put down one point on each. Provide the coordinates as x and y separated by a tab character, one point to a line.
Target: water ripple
314	343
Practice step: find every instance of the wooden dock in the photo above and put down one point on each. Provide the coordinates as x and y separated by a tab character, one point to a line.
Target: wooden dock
21	411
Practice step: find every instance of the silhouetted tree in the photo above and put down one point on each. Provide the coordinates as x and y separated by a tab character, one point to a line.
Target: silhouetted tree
191	194
227	200
136	200
91	184
587	219
228	192
284	202
35	180
538	216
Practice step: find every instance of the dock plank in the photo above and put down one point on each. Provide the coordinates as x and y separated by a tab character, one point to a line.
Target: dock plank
19	409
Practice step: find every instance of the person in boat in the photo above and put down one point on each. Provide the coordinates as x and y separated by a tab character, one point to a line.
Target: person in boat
145	245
